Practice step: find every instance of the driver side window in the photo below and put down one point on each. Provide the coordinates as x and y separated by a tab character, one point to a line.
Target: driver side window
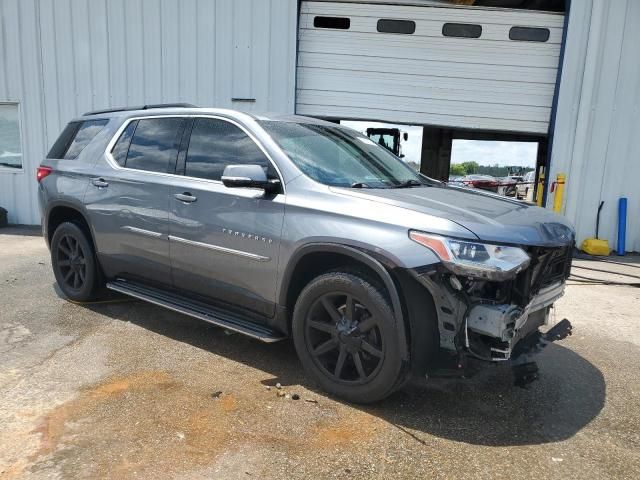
216	143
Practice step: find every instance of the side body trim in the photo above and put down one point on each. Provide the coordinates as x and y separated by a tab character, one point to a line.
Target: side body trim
141	231
230	251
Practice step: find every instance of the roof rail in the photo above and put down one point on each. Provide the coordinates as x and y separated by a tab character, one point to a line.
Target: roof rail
140	107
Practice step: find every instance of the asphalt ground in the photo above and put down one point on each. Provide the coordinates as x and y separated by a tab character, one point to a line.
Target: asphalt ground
123	389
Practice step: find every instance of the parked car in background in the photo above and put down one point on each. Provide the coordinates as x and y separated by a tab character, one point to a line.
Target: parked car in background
527	186
286	226
482	182
507	185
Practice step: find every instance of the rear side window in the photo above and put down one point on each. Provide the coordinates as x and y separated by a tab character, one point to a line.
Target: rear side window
74	138
154	145
121	148
214	144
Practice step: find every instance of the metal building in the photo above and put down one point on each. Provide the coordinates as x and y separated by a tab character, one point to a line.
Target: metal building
574	81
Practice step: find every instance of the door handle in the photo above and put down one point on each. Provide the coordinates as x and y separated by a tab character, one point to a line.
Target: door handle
99	182
185	197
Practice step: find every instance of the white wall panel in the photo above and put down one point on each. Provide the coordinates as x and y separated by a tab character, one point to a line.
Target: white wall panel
597	135
491	82
61	58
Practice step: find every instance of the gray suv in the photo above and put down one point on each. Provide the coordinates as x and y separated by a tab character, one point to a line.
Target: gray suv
284	226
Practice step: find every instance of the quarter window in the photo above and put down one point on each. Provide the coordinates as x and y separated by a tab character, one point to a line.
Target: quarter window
465	30
214	144
74	138
154	145
85	134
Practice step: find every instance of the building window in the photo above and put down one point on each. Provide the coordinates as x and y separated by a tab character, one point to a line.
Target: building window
10	144
529	34
386	25
465	30
340	23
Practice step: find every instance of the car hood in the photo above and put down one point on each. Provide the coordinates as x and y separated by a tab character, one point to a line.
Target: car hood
490	217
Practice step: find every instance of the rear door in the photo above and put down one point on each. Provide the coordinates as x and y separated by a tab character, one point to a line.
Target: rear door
224	242
128	199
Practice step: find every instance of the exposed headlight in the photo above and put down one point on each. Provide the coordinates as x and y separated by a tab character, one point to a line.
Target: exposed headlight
475	259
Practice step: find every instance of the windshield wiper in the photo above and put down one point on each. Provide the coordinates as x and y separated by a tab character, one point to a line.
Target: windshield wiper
359	185
409	184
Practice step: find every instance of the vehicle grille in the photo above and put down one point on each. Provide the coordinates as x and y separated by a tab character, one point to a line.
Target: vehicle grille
552	265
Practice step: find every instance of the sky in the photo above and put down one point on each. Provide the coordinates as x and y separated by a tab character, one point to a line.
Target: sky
484	152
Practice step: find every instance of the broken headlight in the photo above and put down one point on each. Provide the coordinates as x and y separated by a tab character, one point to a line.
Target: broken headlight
475	259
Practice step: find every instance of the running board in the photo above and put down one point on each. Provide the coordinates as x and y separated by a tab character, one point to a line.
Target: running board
217	316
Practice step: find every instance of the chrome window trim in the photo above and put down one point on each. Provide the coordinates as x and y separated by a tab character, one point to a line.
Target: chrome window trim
230	251
112	161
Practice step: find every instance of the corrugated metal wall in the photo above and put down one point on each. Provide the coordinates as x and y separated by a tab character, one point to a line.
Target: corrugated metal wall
60	58
597	134
491	82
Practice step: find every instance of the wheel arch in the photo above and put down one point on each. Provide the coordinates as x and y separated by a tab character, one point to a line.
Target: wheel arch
314	259
62	211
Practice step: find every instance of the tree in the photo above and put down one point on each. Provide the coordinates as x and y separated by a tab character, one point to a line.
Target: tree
457	169
470	167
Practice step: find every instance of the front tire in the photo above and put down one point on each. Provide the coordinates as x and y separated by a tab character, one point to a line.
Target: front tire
74	263
347	338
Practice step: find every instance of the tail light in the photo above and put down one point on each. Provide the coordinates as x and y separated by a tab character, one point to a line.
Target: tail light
42	172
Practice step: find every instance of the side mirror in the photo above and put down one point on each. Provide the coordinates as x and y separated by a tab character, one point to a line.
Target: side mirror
248	176
405	135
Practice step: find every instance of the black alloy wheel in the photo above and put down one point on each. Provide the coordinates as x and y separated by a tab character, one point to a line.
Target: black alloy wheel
74	263
344	338
347	337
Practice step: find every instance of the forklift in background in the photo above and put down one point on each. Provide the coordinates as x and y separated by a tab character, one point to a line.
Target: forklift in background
389	138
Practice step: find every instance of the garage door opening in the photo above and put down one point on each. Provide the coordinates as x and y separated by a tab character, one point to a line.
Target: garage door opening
502	162
504	167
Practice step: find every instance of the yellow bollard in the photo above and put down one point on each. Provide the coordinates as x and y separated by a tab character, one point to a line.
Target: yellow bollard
557	199
540	188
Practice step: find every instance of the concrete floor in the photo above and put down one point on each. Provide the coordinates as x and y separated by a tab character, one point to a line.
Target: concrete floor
122	389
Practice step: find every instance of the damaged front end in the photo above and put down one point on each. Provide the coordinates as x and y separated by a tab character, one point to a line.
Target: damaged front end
491	300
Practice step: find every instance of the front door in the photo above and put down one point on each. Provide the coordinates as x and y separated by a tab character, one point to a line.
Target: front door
224	242
128	200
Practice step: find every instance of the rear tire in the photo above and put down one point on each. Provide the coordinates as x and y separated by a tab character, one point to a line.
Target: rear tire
347	338
74	263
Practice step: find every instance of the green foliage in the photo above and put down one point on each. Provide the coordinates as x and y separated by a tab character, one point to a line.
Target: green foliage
457	169
468	168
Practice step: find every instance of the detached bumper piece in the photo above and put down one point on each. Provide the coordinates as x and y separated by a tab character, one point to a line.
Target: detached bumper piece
524	369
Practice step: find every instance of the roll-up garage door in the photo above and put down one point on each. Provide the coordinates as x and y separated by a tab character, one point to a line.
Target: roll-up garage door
463	67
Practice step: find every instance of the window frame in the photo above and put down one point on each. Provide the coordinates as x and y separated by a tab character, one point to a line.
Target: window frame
182	147
4	169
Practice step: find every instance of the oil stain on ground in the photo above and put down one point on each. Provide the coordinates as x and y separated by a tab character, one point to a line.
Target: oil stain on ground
148	424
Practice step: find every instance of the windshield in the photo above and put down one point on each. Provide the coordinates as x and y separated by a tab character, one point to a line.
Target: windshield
341	157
